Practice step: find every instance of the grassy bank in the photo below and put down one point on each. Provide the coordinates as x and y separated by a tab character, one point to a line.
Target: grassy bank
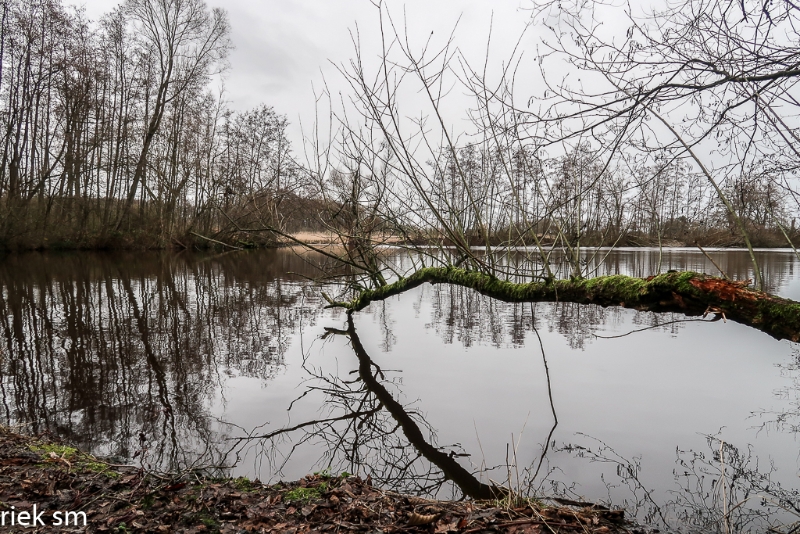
64	483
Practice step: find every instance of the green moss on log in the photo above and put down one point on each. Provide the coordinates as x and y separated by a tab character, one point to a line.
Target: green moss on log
686	292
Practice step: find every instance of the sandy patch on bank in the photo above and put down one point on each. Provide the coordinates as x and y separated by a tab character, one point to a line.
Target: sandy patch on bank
329	238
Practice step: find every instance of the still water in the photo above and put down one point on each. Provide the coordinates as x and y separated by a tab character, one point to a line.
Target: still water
168	360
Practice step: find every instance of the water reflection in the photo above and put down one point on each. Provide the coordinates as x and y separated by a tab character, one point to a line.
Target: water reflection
161	358
362	432
787	419
460	315
718	489
366	430
104	349
777	266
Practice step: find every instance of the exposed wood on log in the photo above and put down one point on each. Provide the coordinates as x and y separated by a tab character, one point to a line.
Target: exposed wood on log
687	292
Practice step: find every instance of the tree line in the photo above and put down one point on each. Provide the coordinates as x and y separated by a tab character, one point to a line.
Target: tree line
115	134
676	124
638	201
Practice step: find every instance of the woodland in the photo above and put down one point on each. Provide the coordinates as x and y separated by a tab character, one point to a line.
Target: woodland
116	134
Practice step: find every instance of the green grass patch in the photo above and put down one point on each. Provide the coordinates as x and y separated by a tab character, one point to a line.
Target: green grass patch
208	521
244	484
89	464
46	449
305	495
78	460
326	474
148	501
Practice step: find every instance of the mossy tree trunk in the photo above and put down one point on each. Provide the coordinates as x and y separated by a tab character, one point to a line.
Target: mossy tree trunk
688	292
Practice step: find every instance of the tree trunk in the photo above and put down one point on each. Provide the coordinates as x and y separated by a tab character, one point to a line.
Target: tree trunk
688	292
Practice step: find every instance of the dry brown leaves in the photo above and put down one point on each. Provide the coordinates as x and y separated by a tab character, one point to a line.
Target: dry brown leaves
127	500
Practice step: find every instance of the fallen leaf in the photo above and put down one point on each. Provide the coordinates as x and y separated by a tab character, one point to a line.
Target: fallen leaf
416	519
18	460
308	510
446	527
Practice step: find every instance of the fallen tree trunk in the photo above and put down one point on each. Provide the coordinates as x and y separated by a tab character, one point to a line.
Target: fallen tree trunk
687	292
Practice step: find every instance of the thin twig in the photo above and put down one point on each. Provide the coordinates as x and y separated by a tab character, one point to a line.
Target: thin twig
725	276
215	241
652	327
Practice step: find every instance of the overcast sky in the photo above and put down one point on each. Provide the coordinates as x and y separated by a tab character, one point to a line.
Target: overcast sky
282	47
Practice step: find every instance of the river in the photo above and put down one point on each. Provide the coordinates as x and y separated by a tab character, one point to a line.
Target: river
167	359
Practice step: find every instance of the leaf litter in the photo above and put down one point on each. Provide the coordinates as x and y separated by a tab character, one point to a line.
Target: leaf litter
119	498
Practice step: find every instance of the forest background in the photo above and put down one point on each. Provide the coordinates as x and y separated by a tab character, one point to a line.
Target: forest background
114	134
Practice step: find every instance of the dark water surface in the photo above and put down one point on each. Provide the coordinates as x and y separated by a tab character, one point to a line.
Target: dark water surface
167	358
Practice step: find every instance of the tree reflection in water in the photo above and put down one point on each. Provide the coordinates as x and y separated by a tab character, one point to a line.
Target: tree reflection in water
360	433
121	353
366	430
787	419
719	490
101	348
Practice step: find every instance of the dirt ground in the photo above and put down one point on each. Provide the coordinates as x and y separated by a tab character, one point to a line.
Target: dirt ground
50	487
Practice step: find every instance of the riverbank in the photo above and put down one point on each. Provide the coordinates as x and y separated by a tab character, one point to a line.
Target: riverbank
156	240
46	486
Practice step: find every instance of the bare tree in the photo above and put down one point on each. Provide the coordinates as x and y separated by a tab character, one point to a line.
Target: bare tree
184	43
699	80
